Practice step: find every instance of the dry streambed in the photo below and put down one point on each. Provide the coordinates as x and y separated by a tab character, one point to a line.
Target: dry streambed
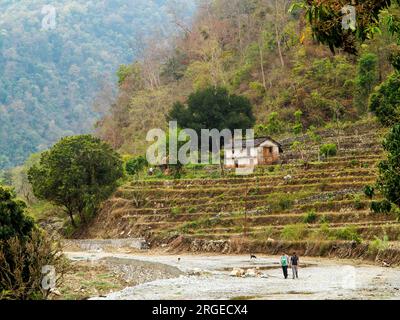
210	277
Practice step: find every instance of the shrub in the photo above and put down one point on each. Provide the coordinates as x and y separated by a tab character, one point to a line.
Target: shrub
322	233
285	204
21	263
358	204
294	232
396	212
348	233
135	165
24	250
328	150
384	206
310	217
378	244
13	221
354	163
176	211
369	192
324	219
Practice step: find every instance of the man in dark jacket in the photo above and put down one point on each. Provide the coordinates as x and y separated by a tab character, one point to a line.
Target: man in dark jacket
294	263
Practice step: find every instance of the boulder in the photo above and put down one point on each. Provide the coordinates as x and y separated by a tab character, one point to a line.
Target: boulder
238	272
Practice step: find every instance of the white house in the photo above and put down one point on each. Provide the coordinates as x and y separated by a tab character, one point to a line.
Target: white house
265	151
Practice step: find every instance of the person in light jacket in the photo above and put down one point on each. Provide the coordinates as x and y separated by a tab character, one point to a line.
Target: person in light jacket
285	264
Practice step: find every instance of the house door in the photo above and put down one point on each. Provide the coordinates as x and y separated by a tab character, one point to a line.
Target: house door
267	155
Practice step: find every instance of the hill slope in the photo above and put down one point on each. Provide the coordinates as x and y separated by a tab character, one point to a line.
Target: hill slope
320	210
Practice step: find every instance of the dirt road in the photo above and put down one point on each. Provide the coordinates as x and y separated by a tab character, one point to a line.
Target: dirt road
208	277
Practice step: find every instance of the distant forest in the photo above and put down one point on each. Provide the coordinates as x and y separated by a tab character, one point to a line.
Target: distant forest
59	82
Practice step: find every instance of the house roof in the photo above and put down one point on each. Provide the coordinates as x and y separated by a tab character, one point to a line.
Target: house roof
259	141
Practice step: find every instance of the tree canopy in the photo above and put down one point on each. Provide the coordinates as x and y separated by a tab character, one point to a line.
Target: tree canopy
326	19
389	180
13	221
385	101
213	108
77	173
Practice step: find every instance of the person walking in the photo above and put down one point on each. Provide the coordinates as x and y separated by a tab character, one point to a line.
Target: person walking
285	264
294	263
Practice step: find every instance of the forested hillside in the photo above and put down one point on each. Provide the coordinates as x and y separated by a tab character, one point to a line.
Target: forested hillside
49	78
254	48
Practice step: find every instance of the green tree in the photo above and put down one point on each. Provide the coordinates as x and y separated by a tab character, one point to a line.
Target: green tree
326	19
298	125
274	126
78	173
213	108
389	178
367	78
385	101
13	221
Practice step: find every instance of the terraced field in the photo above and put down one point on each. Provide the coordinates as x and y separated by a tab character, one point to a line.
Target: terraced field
321	210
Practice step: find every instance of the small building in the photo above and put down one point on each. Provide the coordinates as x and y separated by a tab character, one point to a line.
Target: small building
264	151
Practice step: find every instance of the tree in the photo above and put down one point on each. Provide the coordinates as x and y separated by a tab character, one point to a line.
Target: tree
367	78
326	19
385	101
13	221
298	125
77	173
314	137
389	177
213	108
274	126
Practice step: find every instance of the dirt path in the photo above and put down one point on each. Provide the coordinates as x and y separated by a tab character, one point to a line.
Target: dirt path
208	277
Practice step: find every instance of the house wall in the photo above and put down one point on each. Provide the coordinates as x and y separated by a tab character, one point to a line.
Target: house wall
255	157
272	158
244	158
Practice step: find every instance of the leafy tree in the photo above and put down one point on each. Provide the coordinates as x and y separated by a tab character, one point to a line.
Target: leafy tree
314	137
213	108
13	221
385	101
298	125
326	19
367	78
389	178
299	147
77	173
274	126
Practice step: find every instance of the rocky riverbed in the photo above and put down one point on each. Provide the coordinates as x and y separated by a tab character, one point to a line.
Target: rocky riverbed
158	276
